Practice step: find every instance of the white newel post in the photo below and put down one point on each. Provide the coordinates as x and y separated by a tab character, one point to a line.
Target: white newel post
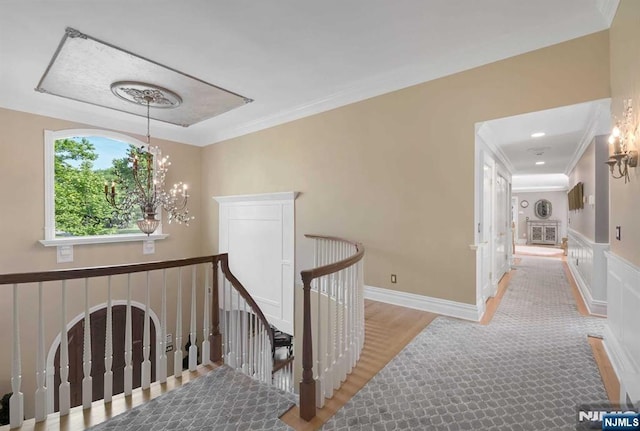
146	340
65	387
16	402
108	349
41	373
87	381
193	348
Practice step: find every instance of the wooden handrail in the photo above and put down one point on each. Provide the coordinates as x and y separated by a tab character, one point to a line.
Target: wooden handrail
101	271
224	260
310	274
308	384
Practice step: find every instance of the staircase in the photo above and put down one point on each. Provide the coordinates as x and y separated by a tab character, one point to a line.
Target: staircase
204	305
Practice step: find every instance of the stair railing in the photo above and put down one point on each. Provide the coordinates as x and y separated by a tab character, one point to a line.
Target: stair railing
333	328
234	329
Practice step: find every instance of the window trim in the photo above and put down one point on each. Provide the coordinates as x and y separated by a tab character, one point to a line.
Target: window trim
50	137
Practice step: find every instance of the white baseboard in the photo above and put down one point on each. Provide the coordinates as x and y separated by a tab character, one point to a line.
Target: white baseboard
629	380
594	306
426	303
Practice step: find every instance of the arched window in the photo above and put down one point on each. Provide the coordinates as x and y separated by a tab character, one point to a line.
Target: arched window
80	164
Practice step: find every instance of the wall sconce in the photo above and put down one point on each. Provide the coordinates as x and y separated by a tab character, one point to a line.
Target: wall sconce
621	139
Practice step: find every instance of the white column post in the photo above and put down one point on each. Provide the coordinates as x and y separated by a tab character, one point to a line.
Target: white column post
41	373
65	387
162	365
108	348
177	356
193	349
146	340
16	402
206	330
87	381
128	344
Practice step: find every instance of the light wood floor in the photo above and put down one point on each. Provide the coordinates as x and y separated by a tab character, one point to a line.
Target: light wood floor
389	329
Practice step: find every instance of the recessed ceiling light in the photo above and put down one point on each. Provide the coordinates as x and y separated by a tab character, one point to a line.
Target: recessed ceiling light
540	163
538	135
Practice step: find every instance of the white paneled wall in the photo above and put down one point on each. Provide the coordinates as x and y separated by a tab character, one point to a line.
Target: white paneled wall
622	334
588	266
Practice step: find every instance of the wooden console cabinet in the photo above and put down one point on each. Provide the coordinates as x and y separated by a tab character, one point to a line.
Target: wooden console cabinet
543	231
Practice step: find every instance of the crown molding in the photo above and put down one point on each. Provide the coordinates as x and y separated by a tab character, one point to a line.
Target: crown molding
539	189
488	137
607	9
589	134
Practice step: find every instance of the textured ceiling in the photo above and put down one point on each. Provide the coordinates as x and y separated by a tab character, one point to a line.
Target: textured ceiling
293	58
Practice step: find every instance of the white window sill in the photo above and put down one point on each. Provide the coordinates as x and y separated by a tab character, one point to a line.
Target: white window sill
75	240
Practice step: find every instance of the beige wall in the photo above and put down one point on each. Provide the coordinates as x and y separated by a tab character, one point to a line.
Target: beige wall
22	197
592	221
397	171
625	83
584	220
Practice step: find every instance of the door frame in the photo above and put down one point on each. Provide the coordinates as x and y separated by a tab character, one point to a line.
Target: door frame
56	342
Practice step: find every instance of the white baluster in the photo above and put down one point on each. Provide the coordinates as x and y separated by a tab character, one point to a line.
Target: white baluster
162	363
128	344
146	340
238	334
108	348
268	360
339	330
16	402
245	329
65	387
206	330
353	309
193	349
318	350
335	374
361	302
177	356
87	380
224	315
229	332
41	374
251	337
328	387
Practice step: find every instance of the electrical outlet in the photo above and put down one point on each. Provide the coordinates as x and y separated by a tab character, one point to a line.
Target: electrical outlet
393	278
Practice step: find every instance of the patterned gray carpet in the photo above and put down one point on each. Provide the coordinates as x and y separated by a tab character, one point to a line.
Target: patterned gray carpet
222	400
528	370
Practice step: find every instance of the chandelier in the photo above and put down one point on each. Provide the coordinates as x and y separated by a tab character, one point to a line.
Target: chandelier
622	138
148	168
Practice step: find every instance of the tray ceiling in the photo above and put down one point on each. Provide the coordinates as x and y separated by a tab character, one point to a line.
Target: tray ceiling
294	58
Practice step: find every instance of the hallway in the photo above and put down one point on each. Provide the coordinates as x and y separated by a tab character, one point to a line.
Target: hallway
528	369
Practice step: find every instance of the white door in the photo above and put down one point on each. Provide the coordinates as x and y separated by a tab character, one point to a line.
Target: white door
502	239
486	223
258	233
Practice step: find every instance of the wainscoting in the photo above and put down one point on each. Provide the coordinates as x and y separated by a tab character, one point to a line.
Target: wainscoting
622	333
588	266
